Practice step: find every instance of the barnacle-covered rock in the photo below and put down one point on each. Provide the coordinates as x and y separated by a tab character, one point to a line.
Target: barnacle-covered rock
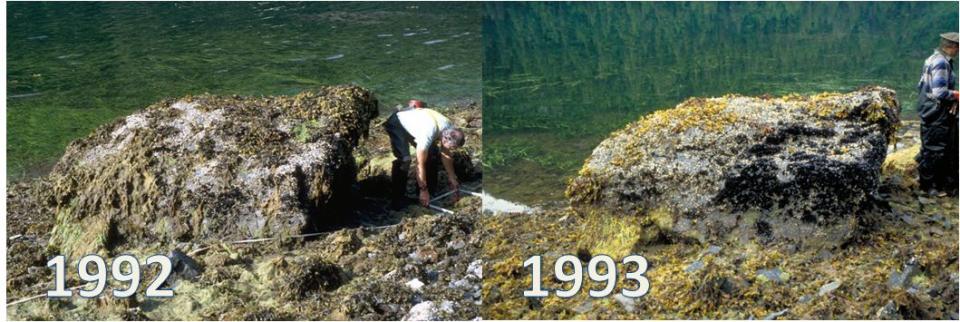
794	168
210	168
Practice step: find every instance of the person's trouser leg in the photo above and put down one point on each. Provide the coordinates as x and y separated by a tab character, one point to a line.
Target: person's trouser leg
399	145
433	168
932	161
398	183
951	155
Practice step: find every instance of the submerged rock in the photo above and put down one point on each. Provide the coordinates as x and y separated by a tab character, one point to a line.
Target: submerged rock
210	168
793	168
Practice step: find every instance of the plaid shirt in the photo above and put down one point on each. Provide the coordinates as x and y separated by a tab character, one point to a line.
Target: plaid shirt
937	78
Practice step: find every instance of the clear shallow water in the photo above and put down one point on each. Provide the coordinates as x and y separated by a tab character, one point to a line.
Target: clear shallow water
74	66
558	78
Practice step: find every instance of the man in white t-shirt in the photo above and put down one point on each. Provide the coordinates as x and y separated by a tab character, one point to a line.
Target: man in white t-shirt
422	128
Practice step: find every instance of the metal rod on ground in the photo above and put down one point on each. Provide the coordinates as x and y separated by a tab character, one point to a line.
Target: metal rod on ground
451	192
445	194
461	190
25	299
446	211
442	195
257	240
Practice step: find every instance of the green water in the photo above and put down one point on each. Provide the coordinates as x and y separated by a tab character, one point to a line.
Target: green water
559	77
74	66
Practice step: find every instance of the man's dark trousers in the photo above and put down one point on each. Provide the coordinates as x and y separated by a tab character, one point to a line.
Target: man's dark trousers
937	161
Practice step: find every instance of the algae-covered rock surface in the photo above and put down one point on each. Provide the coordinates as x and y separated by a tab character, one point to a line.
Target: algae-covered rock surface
210	167
368	263
797	168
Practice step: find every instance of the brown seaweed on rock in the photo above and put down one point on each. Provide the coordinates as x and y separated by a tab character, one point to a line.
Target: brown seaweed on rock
210	168
794	168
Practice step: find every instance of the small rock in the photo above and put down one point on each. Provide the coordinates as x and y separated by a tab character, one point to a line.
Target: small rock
772	274
423	311
460	283
805	298
889	312
427	255
774	315
940	219
476	268
415	284
908	219
791	248
828	288
901	279
713	249
34	270
584	307
431	275
447	307
534	303
824	254
183	267
629	304
693	267
389	275
456	244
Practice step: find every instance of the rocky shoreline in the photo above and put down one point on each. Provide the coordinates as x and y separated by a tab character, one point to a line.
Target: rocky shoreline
370	263
899	262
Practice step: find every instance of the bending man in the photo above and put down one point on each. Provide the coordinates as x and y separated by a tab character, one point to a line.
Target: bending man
424	128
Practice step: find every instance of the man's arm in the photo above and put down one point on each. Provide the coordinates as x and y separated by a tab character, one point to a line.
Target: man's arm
446	156
422	156
939	74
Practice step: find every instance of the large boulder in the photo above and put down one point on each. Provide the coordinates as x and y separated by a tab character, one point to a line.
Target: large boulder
210	168
797	169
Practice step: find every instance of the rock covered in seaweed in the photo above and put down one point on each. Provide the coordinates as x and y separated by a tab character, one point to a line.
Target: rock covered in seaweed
793	168
210	167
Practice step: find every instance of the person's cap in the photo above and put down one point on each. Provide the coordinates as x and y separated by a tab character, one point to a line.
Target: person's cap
951	36
416	103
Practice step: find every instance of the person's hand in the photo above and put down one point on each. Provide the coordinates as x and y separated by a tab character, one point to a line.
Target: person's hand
953	109
455	187
425	198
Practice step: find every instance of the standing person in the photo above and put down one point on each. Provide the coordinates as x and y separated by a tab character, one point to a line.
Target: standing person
937	106
423	128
